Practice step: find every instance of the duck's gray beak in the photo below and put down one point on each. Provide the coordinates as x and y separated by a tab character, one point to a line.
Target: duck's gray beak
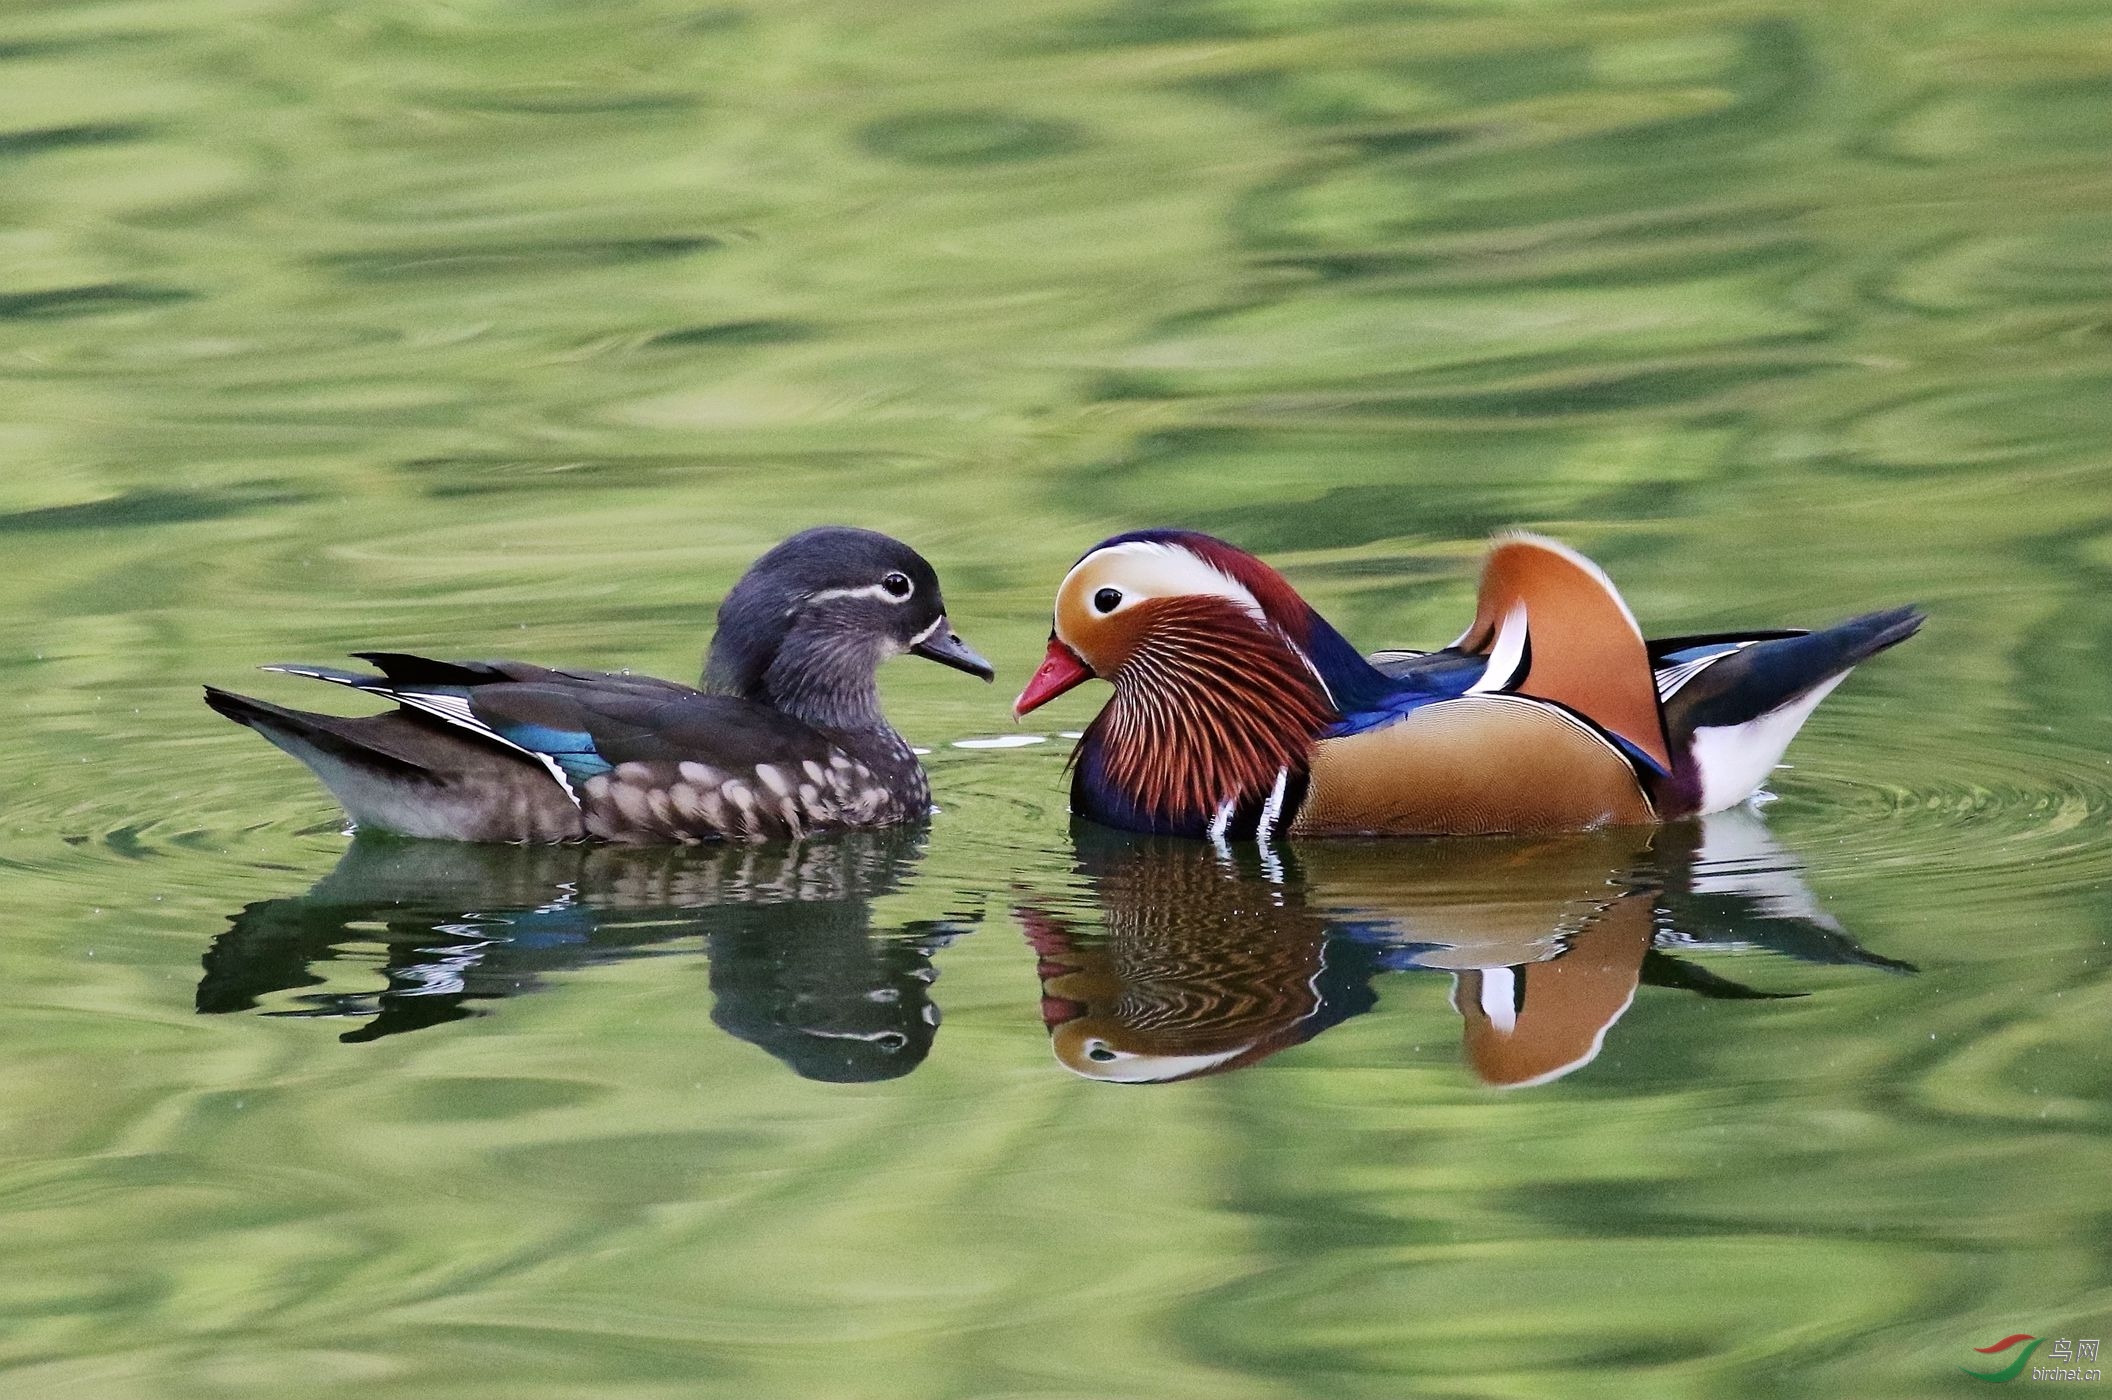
944	646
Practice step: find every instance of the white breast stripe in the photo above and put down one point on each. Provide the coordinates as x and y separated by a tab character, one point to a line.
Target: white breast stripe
1219	823
1299	652
1272	810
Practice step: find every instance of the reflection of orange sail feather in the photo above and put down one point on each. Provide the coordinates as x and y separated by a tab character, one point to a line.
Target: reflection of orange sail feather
1539	1021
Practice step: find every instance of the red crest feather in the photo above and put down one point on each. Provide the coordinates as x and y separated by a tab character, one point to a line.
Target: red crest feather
1279	601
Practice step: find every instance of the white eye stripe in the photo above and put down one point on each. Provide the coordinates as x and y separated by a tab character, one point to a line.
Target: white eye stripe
871	590
1168	571
1129	1067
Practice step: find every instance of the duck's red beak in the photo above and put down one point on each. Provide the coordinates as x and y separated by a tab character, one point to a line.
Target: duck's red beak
1061	670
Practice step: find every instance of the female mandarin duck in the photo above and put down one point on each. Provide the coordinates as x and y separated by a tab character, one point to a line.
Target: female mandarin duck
786	738
1238	711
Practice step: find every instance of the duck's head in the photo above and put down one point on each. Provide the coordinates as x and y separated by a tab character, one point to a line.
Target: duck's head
1156	603
811	621
1223	676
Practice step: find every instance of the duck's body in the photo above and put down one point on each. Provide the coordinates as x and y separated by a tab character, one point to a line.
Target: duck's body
789	738
507	751
1239	712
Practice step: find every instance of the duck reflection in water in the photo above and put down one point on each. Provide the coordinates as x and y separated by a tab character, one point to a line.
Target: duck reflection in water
796	967
1204	965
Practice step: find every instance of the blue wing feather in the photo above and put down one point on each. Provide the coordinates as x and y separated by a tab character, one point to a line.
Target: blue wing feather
572	748
1413	683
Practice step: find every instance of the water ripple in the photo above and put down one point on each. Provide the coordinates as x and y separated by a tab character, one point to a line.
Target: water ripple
2017	808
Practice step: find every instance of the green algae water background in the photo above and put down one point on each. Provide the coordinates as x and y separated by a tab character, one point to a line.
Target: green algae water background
520	328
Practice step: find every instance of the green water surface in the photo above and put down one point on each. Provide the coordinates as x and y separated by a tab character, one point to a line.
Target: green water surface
489	328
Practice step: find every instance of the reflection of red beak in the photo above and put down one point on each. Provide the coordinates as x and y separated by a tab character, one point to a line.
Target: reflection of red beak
1059	1011
1050	938
1061	670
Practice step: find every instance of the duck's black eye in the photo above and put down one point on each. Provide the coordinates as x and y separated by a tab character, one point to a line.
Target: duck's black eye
896	585
1096	1051
1107	599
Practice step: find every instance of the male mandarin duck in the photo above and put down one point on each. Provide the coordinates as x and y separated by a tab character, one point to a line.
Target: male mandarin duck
1239	712
786	736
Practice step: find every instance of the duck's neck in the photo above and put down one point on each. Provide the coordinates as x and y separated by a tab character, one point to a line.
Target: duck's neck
827	681
1205	720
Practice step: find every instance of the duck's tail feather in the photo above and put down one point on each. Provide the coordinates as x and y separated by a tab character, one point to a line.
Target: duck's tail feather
415	776
1731	719
380	748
